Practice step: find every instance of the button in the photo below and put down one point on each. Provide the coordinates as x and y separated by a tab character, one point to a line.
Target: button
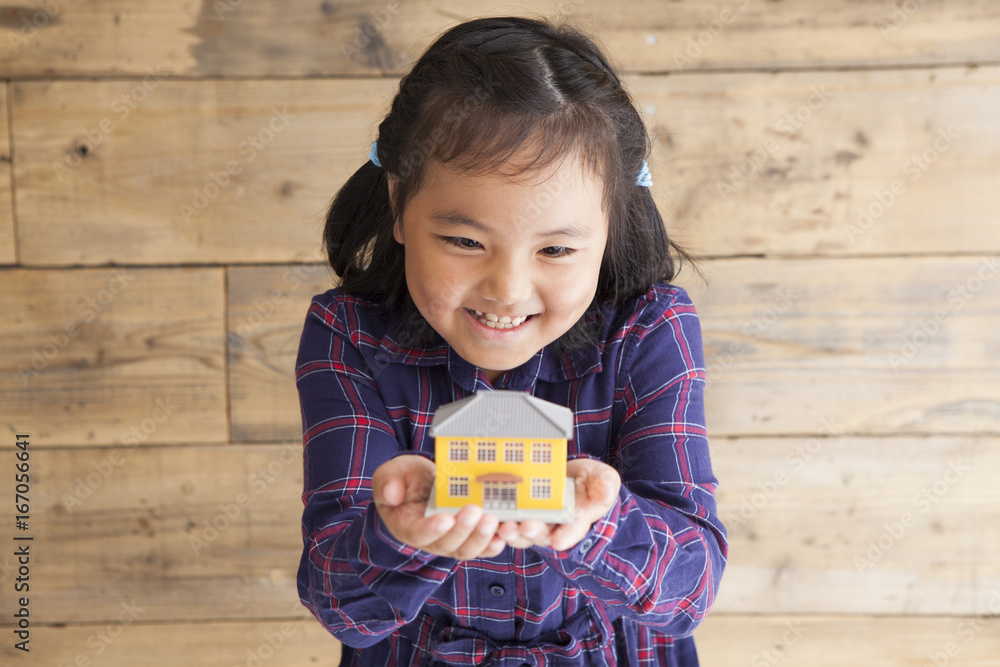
497	590
585	547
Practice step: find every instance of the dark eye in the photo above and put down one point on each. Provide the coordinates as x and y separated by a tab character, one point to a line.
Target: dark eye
557	251
461	242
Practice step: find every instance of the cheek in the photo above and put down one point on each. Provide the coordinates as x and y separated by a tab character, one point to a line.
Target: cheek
441	286
568	290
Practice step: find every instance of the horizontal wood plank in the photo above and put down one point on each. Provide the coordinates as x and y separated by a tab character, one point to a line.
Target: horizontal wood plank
235	38
113	355
8	248
775	363
193	533
832	525
880	162
832	641
723	639
859	525
128	641
876	345
161	171
827	163
267	308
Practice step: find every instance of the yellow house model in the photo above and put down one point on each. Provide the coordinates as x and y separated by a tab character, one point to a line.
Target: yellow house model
506	452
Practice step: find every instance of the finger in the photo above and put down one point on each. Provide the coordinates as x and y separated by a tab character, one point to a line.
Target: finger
568	535
495	548
390	492
465	522
510	533
535	532
416	531
479	539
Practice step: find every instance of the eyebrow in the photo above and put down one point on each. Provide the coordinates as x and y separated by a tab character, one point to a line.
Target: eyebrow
454	219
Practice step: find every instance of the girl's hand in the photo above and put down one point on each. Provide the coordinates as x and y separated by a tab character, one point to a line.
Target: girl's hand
401	488
597	486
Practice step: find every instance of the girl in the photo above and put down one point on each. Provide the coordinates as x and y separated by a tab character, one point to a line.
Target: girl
503	235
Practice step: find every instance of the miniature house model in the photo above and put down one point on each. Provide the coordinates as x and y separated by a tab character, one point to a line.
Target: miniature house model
506	452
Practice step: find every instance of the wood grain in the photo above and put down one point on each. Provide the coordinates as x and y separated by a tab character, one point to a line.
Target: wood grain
895	161
843	525
247	39
878	345
723	639
8	248
830	641
787	344
828	525
193	533
204	171
267	308
113	355
827	163
277	642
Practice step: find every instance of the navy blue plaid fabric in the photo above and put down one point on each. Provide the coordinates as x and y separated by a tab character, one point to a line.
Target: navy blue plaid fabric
629	594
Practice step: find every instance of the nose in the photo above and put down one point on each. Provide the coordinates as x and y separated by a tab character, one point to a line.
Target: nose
506	282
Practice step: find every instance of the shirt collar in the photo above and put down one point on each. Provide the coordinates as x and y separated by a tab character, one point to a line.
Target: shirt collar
547	364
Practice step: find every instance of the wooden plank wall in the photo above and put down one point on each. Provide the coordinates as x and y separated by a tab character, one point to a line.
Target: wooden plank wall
833	164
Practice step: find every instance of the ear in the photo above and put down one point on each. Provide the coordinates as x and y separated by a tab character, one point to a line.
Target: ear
397	226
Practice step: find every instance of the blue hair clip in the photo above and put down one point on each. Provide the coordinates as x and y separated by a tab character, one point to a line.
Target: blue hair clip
373	155
644	179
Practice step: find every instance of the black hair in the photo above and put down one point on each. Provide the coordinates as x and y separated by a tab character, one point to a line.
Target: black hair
480	92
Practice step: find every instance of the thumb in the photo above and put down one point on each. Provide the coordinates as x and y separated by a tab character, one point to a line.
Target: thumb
603	490
390	492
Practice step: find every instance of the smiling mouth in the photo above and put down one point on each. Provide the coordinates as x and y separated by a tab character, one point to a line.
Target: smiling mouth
494	321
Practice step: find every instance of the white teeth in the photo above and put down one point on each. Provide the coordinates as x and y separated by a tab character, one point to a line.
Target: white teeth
494	321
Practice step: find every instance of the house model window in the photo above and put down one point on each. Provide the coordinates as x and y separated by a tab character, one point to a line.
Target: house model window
458	450
505	451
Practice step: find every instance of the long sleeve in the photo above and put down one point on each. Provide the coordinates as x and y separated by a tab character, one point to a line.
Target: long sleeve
658	555
359	581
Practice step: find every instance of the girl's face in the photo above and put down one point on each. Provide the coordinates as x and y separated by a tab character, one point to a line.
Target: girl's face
500	268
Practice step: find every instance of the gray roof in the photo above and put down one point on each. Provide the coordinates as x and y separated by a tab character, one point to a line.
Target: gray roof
503	413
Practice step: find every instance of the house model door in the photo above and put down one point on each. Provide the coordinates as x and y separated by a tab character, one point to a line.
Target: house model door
499	495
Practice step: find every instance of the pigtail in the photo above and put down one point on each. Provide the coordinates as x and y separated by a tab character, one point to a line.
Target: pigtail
358	234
